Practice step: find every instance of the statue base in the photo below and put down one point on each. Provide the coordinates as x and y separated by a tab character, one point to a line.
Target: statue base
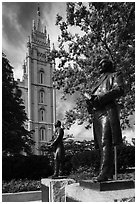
77	193
53	190
108	185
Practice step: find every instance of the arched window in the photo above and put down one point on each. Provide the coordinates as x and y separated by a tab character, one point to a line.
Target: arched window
42	134
41	77
42	112
41	96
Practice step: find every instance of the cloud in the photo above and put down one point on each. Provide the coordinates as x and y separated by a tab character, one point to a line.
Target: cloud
13	37
12	28
15	56
80	132
63	105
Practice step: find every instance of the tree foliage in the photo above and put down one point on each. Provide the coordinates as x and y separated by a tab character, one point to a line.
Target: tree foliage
105	28
15	137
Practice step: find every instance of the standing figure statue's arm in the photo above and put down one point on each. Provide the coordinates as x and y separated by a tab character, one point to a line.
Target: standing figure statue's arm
115	91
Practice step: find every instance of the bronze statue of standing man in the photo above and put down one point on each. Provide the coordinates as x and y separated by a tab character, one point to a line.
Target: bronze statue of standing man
58	147
106	122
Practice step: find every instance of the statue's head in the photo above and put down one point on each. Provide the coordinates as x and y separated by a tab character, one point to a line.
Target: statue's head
58	124
106	65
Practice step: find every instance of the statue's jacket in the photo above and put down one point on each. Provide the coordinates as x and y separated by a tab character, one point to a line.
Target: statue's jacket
58	143
108	89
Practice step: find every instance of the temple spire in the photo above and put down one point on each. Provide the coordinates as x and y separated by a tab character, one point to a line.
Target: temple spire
38	11
38	19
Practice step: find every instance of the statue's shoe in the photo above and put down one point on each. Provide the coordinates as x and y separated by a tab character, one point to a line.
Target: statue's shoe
102	178
61	174
54	176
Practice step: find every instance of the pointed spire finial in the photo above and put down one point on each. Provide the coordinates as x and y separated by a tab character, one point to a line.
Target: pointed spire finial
45	30
38	19
38	11
48	39
53	46
29	39
24	67
28	43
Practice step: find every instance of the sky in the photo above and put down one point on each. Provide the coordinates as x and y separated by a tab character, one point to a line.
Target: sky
17	20
17	24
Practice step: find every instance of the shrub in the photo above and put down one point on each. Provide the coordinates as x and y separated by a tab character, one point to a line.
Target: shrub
91	159
21	167
68	165
86	158
20	185
126	157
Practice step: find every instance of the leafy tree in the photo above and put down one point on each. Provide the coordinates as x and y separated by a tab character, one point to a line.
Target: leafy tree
15	137
106	28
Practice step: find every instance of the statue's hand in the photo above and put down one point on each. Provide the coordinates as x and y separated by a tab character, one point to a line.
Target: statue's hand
87	96
89	106
93	97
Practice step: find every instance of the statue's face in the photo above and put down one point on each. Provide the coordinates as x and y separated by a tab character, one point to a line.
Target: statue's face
56	125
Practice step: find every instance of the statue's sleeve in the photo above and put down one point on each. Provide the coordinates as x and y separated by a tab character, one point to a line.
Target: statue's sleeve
116	90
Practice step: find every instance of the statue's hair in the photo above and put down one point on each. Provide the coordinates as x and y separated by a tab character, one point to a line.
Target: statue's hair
58	123
109	64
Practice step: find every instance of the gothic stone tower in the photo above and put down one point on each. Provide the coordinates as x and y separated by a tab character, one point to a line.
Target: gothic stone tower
37	86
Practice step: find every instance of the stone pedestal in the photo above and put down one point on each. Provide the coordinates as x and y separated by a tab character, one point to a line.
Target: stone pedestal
108	185
77	193
53	190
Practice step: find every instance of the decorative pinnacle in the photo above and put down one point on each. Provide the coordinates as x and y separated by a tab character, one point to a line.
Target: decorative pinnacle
33	25
28	43
29	39
38	19
53	46
48	39
45	30
38	11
